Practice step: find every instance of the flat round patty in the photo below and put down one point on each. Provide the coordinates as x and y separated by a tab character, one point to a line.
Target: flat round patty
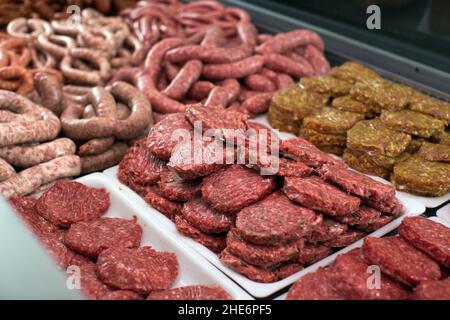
260	255
174	188
139	168
255	273
91	286
345	239
313	286
400	260
364	215
200	215
69	201
161	139
214	242
191	293
234	187
327	230
428	236
168	208
122	295
349	276
137	269
432	290
275	220
91	237
312	253
57	249
26	210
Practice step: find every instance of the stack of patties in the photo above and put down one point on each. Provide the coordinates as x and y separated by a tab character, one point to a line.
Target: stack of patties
373	148
327	127
290	105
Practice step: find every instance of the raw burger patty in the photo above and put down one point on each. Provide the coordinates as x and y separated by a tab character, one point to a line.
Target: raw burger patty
139	168
68	202
91	286
275	219
260	255
400	260
168	208
255	273
122	295
312	192
235	187
91	237
200	215
349	277
214	242
174	188
428	236
57	249
138	269
327	230
432	290
191	293
26	210
161	140
311	253
313	286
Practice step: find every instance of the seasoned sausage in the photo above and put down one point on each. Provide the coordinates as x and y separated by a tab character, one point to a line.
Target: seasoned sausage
50	91
104	160
25	156
32	178
6	170
236	70
183	81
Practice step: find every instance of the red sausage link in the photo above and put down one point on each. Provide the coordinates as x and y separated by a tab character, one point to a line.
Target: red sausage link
258	103
257	82
187	76
239	69
210	54
200	90
218	98
290	40
280	63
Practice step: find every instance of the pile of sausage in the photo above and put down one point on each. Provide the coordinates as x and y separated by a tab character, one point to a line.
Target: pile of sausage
68	220
86	52
203	52
46	9
413	265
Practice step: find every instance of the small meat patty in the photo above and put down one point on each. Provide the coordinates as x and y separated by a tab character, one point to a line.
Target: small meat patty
137	269
92	237
70	201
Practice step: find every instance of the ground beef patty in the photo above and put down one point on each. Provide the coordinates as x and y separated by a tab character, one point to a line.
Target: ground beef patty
291	168
174	188
122	295
400	260
327	230
168	208
191	293
26	210
235	187
345	239
311	253
313	286
312	192
91	286
70	201
432	290
364	215
274	220
139	168
214	242
57	249
428	236
376	224
200	215
166	134
91	237
137	269
258	274
349	275
262	255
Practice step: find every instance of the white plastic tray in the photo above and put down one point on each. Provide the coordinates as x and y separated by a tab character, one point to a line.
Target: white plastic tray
444	213
259	290
441	221
194	269
429	202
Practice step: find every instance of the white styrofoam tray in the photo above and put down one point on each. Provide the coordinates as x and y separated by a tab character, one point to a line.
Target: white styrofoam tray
429	202
194	269
260	290
444	213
